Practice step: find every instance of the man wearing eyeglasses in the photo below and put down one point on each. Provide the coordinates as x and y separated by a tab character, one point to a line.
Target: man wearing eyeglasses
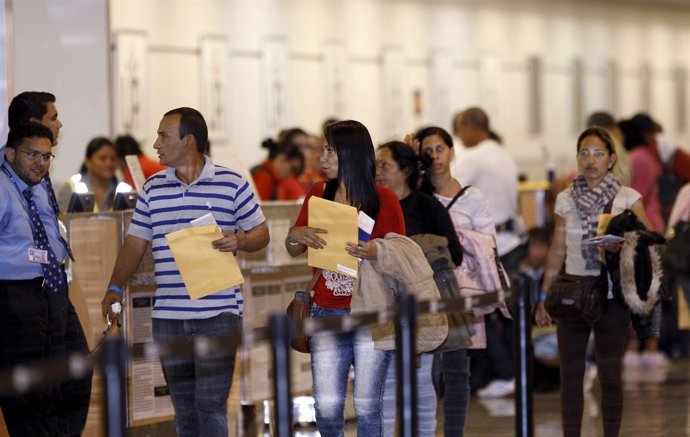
33	121
32	248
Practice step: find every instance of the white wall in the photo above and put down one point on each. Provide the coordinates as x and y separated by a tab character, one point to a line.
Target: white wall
61	46
505	30
470	32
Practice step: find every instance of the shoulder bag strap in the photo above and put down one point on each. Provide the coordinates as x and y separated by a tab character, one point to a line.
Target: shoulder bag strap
457	196
312	283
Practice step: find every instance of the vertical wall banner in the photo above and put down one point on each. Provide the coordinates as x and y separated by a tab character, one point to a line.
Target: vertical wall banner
213	80
534	84
680	78
129	83
393	66
440	77
612	78
274	72
578	94
5	73
489	78
645	87
334	79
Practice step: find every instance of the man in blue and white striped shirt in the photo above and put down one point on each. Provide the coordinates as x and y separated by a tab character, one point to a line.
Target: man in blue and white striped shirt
189	188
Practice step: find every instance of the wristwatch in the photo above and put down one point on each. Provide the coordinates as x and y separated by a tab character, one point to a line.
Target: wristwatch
291	241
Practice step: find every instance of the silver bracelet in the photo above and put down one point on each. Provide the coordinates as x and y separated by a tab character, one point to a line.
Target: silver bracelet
291	241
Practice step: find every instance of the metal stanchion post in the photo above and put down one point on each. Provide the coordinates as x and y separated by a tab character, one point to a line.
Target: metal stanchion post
280	345
113	366
405	350
524	417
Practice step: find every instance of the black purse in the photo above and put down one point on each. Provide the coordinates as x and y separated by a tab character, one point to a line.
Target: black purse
676	258
577	299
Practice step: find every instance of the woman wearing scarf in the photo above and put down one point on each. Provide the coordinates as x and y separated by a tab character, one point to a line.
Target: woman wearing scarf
577	216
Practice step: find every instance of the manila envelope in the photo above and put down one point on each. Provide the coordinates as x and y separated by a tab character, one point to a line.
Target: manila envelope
204	270
341	223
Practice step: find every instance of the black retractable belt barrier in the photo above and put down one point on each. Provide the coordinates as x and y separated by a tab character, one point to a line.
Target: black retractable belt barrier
524	413
405	323
113	366
280	345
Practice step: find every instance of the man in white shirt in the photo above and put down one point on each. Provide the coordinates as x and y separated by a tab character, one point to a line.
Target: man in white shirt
486	165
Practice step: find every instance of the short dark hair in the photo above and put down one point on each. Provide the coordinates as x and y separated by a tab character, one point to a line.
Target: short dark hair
22	131
356	164
28	105
192	123
288	135
538	235
646	124
602	119
406	158
477	117
632	136
127	145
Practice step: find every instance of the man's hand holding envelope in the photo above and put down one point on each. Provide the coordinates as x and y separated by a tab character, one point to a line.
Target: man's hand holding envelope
204	257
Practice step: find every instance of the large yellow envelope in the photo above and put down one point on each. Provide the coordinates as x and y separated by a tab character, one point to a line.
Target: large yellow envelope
204	270
341	223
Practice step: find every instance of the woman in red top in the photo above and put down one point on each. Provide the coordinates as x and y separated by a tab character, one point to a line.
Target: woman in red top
349	163
278	168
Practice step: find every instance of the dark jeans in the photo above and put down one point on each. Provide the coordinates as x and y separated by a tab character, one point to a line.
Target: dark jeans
25	324
610	335
199	386
456	383
67	337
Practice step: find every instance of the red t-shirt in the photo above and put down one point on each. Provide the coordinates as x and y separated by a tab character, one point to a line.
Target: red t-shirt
265	180
290	189
148	166
334	290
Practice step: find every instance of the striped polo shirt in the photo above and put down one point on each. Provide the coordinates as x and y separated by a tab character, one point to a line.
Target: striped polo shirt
166	205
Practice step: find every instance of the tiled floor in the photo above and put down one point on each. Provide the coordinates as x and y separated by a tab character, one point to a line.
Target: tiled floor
657	404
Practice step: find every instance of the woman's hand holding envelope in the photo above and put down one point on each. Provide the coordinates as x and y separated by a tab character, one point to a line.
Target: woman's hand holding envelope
309	237
363	250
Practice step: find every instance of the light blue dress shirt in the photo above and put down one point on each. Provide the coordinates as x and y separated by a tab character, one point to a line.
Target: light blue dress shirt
16	236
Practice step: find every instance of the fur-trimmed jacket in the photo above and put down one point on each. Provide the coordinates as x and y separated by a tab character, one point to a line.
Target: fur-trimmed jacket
636	271
400	267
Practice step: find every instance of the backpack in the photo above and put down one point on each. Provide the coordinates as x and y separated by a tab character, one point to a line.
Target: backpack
435	248
669	186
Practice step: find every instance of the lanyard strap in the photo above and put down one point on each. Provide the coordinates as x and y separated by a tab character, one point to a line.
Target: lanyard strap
25	204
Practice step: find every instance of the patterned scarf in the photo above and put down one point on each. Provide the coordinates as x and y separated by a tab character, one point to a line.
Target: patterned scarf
590	204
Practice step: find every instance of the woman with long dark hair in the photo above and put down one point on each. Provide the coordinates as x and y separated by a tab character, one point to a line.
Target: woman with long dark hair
348	162
468	209
397	168
577	213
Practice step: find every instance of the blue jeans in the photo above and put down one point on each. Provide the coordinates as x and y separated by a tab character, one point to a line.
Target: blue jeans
426	399
332	354
198	386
